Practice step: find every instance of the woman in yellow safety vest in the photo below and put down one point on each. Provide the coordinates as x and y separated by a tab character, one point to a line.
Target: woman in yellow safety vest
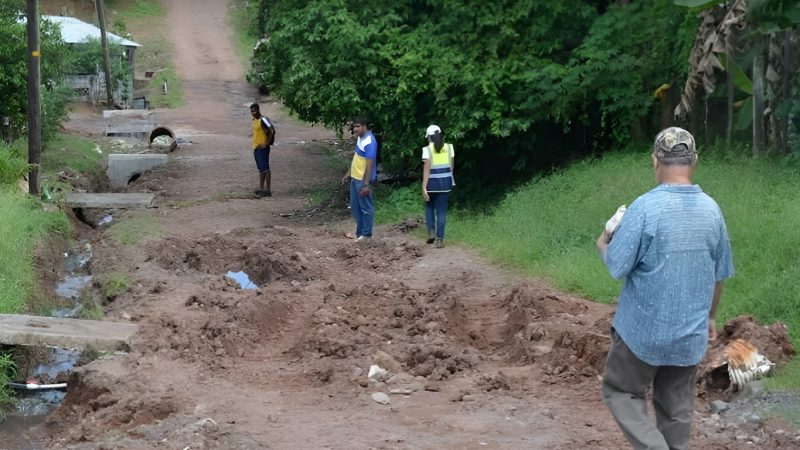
437	182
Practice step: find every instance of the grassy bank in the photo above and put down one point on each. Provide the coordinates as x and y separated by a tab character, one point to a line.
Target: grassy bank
241	19
146	21
22	223
547	229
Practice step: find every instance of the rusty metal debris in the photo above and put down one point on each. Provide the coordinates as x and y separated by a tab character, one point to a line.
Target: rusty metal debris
741	363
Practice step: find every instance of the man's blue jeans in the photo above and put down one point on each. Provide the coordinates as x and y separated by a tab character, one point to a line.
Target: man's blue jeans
436	212
362	209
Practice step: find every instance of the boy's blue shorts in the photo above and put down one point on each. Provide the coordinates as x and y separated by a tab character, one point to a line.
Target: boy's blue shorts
262	159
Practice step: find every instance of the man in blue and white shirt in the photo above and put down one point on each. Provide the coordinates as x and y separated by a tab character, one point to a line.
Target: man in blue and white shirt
673	252
363	171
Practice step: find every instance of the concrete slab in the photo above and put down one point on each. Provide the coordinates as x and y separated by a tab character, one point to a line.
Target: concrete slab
129	123
122	167
68	333
135	130
110	200
127	114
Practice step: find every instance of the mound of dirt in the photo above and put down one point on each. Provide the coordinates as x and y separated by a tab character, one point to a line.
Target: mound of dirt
378	254
771	340
556	332
97	401
214	327
265	260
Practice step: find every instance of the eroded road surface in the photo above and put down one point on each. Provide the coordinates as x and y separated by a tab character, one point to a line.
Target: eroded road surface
478	358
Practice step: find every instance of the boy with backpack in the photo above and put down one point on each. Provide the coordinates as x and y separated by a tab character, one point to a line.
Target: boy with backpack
263	138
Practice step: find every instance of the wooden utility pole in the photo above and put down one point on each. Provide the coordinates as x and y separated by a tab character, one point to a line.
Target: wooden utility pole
34	97
101	17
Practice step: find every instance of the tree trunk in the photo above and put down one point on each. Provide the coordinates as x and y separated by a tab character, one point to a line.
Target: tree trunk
758	103
786	77
101	18
731	91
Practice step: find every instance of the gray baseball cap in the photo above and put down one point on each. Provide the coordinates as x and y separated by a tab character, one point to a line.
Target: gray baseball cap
674	142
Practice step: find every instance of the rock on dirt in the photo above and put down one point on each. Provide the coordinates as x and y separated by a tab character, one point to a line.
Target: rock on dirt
387	362
380	397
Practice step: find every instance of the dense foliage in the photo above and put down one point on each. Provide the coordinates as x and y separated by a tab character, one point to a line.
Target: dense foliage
58	60
517	85
55	64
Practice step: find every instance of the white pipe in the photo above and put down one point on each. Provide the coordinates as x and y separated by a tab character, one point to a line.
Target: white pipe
37	387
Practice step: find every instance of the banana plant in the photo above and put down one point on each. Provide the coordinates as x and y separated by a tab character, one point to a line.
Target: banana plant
766	22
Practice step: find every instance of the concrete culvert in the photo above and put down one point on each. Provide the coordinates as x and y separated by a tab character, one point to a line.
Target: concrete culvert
164	138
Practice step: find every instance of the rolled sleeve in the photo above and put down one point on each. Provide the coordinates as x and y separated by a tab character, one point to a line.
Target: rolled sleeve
623	251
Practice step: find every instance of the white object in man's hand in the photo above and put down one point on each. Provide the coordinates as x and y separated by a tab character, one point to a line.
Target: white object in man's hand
613	222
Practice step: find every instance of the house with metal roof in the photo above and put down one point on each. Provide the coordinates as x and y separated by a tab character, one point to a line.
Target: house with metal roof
90	87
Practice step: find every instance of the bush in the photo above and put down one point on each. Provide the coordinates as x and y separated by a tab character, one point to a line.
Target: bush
518	86
12	165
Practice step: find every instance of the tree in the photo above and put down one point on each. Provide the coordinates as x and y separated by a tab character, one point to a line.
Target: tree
770	27
518	85
56	62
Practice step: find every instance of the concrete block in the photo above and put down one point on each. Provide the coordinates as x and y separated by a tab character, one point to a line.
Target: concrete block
122	167
110	200
68	333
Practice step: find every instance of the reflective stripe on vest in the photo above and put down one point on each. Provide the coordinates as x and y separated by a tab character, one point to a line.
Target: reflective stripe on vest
441	176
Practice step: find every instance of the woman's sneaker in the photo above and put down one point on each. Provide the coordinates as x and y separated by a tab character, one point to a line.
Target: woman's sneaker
438	243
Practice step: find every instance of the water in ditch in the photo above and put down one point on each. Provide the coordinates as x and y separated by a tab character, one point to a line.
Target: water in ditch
21	427
31	407
76	264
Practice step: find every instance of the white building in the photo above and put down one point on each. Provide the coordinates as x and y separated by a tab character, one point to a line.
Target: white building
91	87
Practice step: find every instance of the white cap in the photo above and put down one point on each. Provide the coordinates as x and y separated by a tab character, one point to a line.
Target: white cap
433	129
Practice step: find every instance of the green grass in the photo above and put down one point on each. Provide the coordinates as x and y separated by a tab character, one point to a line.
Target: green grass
23	220
788	377
91	305
140	9
240	22
65	151
174	91
114	284
321	195
146	21
156	55
22	223
393	205
77	153
136	229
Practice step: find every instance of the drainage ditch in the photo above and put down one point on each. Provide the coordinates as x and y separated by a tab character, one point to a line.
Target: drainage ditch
40	383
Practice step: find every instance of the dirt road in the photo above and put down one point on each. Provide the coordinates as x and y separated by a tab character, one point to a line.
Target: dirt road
479	358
